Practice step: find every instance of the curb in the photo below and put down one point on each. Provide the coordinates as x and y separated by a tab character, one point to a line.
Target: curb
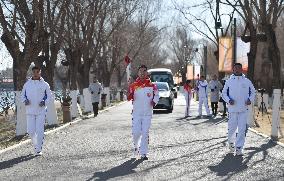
77	120
266	136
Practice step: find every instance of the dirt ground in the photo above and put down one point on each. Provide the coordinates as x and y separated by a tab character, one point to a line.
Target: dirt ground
263	123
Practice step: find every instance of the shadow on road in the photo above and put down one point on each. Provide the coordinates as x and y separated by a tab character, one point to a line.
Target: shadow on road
122	170
229	165
15	161
255	150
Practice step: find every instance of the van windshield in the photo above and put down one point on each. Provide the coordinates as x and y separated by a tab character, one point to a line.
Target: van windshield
162	77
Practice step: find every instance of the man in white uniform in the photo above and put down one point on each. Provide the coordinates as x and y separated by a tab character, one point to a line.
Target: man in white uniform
202	88
238	93
36	94
144	95
215	86
95	89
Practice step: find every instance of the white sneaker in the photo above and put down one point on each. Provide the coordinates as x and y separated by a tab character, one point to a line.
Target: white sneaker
239	152
135	153
38	153
231	147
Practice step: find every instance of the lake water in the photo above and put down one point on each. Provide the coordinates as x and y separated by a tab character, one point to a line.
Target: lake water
7	98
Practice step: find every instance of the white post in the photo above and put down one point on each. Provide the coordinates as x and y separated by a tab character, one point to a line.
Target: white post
181	90
276	107
74	106
87	100
82	102
107	92
51	115
21	119
251	112
117	96
220	106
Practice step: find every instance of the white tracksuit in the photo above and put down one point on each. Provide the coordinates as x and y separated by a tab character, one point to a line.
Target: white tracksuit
239	89
203	96
36	91
187	96
96	88
142	95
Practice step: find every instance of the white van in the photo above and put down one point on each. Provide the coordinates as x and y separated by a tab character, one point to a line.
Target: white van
163	75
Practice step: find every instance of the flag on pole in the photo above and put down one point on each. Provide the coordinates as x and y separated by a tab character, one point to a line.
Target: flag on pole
127	60
128	67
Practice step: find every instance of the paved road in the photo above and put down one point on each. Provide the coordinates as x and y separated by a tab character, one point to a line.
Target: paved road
180	149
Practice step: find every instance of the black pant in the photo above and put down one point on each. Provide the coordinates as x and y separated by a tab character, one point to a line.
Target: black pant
214	106
95	108
225	107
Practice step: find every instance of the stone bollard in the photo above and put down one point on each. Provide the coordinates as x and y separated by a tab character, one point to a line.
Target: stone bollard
66	113
88	107
21	119
51	115
121	95
74	105
103	100
220	107
276	107
250	120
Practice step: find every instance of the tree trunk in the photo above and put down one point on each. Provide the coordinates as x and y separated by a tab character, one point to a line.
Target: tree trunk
119	77
20	65
275	56
73	57
252	54
20	68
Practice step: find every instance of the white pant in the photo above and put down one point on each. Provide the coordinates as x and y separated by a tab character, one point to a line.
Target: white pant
35	128
237	121
203	100
187	107
140	132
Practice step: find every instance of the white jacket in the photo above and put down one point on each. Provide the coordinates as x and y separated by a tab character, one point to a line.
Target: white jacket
36	91
202	88
215	87
142	94
239	89
96	88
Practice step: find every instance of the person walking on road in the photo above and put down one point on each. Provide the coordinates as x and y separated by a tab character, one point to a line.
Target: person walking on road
144	95
95	89
238	93
35	95
215	86
202	88
187	95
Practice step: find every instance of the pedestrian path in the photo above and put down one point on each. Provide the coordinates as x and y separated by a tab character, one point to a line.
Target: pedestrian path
180	149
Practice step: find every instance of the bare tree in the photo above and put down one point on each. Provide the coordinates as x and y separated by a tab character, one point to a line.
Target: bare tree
23	34
201	23
261	16
183	47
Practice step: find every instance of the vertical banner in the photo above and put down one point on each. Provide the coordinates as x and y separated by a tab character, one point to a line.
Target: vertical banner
225	54
242	50
189	74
